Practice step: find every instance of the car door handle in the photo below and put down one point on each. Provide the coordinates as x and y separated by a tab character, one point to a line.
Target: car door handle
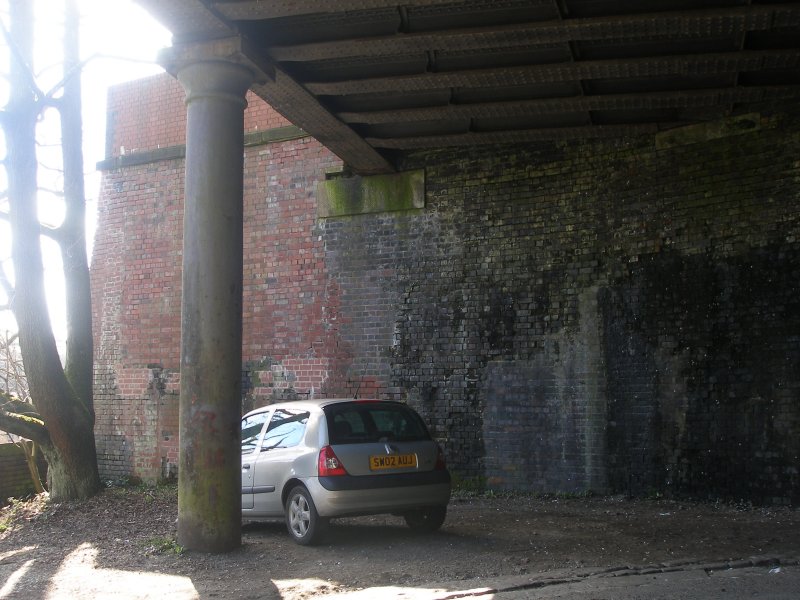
245	467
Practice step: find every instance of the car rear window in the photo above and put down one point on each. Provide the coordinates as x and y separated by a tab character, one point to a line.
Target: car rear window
356	423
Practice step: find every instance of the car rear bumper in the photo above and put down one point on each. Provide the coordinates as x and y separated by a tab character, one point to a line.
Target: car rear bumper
363	495
344	483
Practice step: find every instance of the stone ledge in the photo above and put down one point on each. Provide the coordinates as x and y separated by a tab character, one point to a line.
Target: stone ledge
144	157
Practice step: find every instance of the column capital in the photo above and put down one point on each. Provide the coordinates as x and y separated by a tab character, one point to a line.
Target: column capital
215	79
232	51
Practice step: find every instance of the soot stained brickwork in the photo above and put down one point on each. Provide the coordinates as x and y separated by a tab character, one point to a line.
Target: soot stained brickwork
723	418
616	316
625	318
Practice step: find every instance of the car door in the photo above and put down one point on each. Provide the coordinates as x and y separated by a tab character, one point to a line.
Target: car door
252	434
275	460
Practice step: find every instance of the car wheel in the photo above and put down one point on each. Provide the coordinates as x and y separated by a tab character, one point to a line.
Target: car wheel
426	520
304	524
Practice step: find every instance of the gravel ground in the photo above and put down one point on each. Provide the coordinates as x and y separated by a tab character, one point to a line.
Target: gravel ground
121	544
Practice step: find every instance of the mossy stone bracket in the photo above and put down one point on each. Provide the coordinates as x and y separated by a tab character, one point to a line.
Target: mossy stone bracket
355	195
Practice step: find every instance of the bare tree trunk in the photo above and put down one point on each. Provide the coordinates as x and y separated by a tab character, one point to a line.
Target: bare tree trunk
65	405
79	365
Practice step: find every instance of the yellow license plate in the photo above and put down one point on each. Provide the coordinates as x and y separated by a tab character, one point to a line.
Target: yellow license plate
392	461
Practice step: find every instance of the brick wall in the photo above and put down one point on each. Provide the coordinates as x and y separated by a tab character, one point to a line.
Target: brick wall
15	478
620	316
624	316
136	277
148	114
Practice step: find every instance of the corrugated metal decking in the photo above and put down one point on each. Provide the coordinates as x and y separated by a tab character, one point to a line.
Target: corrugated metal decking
373	78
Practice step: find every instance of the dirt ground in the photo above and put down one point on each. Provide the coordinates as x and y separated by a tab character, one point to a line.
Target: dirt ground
121	543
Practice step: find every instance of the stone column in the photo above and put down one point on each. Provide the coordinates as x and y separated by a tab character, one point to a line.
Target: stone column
209	476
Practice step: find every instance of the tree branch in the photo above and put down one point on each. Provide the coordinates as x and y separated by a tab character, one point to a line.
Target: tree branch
74	71
46	167
18	57
21	419
8	341
12	405
5	282
54	233
27	427
56	193
50	99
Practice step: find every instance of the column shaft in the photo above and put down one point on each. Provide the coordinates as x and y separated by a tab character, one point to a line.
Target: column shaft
209	476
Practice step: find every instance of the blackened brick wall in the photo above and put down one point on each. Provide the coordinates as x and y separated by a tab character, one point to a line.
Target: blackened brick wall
617	316
609	315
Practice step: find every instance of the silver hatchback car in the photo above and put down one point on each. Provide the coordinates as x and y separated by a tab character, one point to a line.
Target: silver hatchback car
309	461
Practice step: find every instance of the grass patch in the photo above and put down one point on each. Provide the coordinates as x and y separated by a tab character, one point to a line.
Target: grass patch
125	487
22	509
466	487
7	516
162	545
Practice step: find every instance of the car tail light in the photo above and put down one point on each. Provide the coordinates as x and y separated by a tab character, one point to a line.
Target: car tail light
329	464
441	464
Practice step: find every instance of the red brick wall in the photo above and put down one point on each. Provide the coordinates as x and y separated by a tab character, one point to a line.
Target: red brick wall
149	113
290	326
284	269
144	115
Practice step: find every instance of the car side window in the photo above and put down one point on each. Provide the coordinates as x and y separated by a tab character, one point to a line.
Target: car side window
251	429
286	429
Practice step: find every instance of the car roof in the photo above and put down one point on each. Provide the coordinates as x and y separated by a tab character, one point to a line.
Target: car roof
314	403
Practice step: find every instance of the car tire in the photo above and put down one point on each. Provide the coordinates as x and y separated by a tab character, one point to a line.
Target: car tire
302	520
426	520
